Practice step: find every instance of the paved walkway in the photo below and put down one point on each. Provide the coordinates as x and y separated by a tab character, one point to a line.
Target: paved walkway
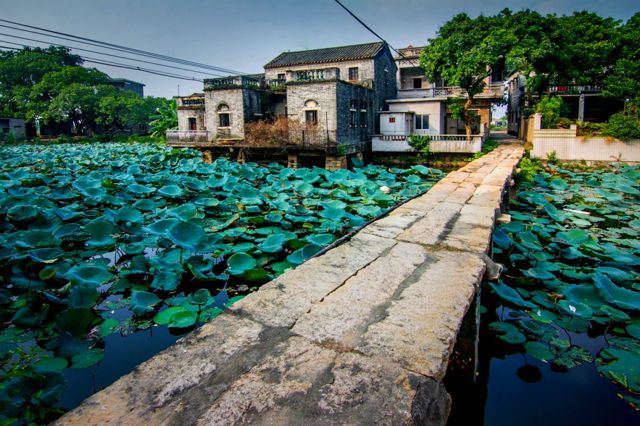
359	335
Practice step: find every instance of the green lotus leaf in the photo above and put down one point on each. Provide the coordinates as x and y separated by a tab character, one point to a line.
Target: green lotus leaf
576	308
239	263
76	321
256	275
28	317
90	275
303	254
51	364
618	296
369	211
165	316
508	332
217	182
273	243
186	234
542	315
87	358
22	213
34	239
161	227
201	297
171	191
142	302
280	267
508	294
574	237
183	319
540	273
129	214
82	296
320	239
501	239
573	357
165	280
46	255
108	327
621	366
140	189
101	231
332	213
539	350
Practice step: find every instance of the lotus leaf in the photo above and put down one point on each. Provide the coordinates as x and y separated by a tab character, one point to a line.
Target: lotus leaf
142	302
239	263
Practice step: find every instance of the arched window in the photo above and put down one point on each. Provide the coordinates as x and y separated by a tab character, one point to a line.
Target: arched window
224	115
311	112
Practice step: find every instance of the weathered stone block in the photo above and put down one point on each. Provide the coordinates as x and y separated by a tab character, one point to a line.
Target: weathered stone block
429	229
419	329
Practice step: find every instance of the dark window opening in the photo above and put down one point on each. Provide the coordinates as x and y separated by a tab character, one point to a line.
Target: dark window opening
353	73
417	83
352	118
311	117
225	120
422	122
363	118
193	125
281	76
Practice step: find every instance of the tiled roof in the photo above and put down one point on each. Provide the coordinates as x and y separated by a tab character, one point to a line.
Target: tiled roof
331	54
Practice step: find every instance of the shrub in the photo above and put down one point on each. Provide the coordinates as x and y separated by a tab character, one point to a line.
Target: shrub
421	144
591	129
623	126
551	107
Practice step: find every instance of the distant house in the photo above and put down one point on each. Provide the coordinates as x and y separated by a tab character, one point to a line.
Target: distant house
329	99
124	84
420	108
14	126
582	103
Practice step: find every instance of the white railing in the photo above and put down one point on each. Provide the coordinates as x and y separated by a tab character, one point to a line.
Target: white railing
189	136
438	143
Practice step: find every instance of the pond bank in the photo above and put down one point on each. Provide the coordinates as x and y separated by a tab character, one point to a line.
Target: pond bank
362	333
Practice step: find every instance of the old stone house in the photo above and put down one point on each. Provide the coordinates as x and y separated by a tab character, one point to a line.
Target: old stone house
329	98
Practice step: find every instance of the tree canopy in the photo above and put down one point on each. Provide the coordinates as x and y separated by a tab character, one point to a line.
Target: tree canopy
582	49
51	85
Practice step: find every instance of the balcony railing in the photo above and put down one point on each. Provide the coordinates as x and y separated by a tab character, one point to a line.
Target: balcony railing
239	81
493	91
574	89
313	75
186	136
438	143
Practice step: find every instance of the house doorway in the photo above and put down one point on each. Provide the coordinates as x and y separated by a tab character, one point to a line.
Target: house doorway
193	125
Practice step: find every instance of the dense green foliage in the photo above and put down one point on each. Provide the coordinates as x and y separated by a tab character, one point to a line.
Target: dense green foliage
51	86
580	49
571	255
165	118
551	107
89	229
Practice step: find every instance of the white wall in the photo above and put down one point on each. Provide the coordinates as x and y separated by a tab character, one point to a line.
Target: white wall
435	109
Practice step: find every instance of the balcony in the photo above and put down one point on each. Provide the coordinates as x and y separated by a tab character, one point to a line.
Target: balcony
187	137
574	89
494	91
305	76
233	82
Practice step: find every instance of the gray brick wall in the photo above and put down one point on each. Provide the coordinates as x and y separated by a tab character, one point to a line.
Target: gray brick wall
365	69
185	114
324	93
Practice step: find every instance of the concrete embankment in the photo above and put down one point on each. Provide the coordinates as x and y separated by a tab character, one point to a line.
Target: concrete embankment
359	335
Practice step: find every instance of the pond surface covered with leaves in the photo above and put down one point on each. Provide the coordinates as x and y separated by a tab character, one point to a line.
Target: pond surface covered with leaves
105	240
561	329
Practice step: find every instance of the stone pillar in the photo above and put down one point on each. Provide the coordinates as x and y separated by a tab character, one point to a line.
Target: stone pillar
207	157
292	161
242	157
581	108
336	163
537	121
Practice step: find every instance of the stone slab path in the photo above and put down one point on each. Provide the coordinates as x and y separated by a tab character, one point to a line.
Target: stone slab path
359	335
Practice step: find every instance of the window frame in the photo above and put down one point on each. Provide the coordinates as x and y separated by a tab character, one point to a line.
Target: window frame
354	73
220	120
420	118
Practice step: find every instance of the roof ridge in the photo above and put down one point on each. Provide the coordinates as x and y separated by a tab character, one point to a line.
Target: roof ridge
327	54
334	47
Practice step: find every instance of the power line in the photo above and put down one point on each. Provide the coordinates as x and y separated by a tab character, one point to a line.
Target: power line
112	46
109	54
109	63
370	30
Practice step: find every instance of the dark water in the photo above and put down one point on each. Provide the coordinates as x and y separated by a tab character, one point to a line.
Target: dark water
121	356
500	397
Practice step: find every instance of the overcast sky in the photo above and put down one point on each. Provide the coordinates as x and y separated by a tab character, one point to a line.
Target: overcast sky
245	34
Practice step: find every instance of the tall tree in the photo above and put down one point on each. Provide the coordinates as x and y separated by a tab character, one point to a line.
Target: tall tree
624	80
463	52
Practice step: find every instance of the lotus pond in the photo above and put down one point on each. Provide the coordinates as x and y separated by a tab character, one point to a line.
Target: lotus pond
101	241
560	331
